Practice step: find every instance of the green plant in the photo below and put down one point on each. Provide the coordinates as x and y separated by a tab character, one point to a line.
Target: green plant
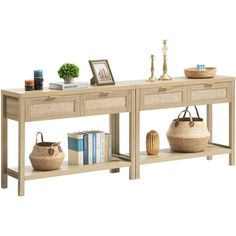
68	70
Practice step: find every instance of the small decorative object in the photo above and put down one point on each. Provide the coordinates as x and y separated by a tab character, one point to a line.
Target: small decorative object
38	83
38	79
152	142
165	76
195	73
201	67
188	134
101	73
68	72
46	155
29	85
152	78
61	86
38	74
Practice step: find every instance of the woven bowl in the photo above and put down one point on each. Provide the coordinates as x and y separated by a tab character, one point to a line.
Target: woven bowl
193	73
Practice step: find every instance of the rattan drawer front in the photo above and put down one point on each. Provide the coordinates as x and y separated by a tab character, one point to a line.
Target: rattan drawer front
162	97
51	107
105	102
209	93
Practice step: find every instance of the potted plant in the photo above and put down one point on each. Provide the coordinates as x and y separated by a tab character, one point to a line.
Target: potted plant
68	72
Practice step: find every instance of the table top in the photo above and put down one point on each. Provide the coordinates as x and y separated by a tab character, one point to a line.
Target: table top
120	85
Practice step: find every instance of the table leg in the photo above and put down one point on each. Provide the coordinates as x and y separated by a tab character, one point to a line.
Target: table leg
3	143
209	124
21	150
137	136
115	133
132	137
232	126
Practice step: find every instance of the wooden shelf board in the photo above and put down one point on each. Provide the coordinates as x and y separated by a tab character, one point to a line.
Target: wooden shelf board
69	169
168	155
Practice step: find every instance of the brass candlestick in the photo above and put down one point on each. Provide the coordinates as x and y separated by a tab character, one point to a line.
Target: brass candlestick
165	76
152	78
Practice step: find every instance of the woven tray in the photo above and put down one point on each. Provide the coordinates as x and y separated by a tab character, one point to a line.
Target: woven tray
193	73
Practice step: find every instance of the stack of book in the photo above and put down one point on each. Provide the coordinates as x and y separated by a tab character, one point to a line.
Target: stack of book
89	147
61	85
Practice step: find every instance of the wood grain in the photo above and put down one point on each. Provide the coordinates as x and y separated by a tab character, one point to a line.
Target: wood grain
4	154
232	126
168	155
21	148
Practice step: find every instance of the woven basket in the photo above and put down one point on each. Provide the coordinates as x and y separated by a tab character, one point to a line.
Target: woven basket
193	73
46	155
188	134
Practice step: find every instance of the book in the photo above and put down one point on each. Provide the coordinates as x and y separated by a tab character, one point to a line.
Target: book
102	146
94	148
106	147
75	148
98	146
86	148
109	147
61	85
90	147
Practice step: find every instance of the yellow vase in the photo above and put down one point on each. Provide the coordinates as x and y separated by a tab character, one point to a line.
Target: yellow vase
152	142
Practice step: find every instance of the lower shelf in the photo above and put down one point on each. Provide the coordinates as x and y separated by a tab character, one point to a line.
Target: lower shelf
69	169
116	162
168	155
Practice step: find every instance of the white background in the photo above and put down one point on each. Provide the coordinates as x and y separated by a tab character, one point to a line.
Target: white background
191	197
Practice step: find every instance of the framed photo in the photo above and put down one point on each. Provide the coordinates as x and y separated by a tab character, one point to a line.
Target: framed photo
101	72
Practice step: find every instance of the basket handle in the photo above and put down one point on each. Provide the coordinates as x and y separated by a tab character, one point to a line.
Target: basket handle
37	137
191	123
56	144
195	109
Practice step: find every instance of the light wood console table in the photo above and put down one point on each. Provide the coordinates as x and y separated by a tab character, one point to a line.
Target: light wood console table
127	96
186	92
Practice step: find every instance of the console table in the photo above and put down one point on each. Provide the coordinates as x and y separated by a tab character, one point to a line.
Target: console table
186	92
127	96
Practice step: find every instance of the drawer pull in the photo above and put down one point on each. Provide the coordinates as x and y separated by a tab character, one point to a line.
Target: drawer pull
162	89
53	97
103	94
209	84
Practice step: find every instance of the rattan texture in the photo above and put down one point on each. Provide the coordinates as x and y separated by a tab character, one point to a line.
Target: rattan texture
184	136
46	156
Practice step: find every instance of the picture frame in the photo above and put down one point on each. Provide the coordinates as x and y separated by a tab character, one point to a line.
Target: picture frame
102	74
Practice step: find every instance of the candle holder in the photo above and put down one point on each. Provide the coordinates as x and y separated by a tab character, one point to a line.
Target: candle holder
152	78
165	76
38	79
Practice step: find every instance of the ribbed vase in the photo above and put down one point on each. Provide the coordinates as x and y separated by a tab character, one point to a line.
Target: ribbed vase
69	80
152	142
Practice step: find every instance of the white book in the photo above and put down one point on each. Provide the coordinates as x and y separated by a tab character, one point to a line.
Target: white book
90	147
61	85
98	147
75	149
102	147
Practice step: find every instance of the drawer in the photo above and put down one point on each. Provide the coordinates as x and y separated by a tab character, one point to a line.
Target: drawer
105	102
209	93
162	97
51	107
12	108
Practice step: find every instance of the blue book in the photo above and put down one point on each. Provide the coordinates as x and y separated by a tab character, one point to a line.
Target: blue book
75	148
94	148
86	160
102	146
